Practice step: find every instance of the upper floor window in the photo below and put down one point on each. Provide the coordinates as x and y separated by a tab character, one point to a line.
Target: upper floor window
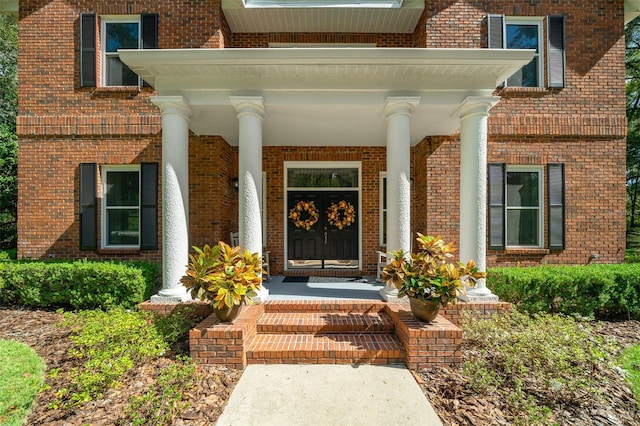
119	33
506	32
525	35
116	32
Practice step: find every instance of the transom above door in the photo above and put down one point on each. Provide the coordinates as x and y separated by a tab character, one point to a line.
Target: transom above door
322	213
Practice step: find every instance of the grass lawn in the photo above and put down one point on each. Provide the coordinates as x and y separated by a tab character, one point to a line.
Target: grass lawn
630	361
21	378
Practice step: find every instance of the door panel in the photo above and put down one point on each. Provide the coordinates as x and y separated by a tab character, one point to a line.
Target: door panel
323	245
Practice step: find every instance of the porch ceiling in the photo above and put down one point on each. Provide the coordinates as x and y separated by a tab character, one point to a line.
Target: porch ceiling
631	10
325	97
374	16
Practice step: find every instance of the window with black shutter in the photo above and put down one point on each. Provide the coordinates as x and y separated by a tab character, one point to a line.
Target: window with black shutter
122	32
507	32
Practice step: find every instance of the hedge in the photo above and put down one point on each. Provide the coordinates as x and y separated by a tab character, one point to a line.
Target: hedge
598	290
77	285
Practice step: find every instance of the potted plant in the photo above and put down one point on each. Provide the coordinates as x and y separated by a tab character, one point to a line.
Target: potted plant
224	275
428	277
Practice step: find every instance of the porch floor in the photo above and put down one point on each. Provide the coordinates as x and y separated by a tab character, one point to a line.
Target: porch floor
324	288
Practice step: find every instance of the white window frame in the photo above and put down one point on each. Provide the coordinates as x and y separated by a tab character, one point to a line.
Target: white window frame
320	165
541	210
528	20
382	208
264	209
120	19
104	208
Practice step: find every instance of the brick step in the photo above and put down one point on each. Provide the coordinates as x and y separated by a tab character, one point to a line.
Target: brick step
324	322
352	306
325	349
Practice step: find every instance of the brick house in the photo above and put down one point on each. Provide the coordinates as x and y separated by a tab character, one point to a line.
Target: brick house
146	127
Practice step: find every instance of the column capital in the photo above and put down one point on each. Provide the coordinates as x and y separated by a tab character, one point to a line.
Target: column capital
476	105
403	105
252	105
173	105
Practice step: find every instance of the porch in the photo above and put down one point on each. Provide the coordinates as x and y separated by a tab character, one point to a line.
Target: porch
323	97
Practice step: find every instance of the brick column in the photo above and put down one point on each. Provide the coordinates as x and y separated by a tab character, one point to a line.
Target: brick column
250	110
397	111
176	114
473	114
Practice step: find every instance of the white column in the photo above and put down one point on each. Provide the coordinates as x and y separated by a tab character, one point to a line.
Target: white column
176	114
397	111
473	114
250	110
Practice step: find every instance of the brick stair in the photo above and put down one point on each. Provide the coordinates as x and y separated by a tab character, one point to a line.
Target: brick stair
321	332
330	331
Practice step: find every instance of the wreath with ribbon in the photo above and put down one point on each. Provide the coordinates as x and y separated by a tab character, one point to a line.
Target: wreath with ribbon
341	214
304	214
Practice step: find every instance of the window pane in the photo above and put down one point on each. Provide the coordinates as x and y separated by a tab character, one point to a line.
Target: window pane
322	178
522	36
522	189
527	76
123	226
522	227
118	74
123	189
120	35
384	193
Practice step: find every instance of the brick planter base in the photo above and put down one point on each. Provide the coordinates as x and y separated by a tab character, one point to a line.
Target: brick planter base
334	332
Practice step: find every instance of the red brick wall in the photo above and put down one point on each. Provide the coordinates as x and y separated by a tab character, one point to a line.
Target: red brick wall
582	125
262	40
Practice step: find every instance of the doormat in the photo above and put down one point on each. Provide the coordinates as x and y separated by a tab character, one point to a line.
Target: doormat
321	279
295	280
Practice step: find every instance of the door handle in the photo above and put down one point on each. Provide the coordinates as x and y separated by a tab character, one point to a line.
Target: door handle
325	236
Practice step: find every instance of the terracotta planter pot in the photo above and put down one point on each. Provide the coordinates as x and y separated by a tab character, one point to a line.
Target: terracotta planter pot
426	310
228	314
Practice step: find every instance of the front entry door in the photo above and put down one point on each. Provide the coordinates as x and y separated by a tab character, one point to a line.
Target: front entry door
323	229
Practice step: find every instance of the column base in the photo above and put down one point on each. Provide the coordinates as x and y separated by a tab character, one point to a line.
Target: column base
175	295
480	293
390	294
263	294
479	298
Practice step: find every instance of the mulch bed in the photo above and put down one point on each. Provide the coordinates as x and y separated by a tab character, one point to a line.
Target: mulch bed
454	402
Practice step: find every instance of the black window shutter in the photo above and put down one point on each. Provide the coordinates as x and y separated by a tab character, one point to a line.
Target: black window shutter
87	50
497	202
555	51
495	31
149	206
150	31
88	207
556	190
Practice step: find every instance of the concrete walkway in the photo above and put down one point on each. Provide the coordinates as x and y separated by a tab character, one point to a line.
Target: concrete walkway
327	395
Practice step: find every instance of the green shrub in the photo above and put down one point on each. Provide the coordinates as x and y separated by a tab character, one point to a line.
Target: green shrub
109	344
592	290
538	362
78	285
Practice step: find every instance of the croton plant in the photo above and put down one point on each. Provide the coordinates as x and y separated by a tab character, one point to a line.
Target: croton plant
224	275
429	273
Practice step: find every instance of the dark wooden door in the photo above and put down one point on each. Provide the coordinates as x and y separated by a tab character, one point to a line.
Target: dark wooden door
323	245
